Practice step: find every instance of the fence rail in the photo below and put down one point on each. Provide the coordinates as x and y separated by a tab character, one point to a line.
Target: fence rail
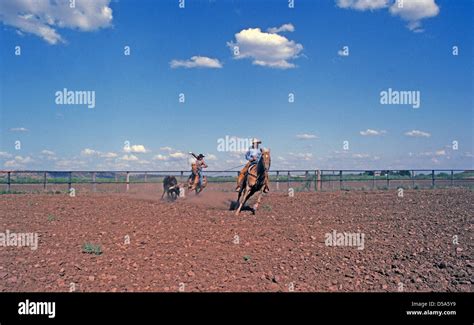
303	180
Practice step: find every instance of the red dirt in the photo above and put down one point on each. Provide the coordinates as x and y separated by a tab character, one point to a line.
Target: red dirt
408	242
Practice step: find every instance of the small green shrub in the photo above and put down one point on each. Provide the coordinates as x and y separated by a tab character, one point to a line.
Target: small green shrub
91	249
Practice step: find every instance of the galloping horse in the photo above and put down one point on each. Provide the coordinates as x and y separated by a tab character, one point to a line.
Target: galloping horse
254	181
200	186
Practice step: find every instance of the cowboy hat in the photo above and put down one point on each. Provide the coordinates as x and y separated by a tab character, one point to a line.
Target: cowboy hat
200	156
255	140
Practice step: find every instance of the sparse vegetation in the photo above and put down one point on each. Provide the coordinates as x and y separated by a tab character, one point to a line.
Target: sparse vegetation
11	192
91	249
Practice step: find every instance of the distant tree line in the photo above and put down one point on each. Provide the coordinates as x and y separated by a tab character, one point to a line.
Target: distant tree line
388	172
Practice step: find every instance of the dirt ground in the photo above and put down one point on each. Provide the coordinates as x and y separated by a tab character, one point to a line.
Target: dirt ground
422	241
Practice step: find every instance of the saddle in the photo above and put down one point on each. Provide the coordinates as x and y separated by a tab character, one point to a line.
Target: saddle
252	166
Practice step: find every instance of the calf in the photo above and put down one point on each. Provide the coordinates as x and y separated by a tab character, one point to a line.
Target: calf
170	187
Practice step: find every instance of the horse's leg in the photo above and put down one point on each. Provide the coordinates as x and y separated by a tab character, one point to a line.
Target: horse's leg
235	204
240	200
248	194
255	207
251	193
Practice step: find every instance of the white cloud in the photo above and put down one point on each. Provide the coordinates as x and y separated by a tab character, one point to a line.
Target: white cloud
129	158
177	155
18	162
370	132
210	156
21	129
417	133
265	49
306	136
108	155
362	5
43	18
438	153
360	155
172	156
283	28
160	157
166	149
48	152
22	160
69	164
89	152
143	162
197	62
4	154
136	148
414	11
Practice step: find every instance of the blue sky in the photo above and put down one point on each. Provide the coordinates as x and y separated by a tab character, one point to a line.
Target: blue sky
281	51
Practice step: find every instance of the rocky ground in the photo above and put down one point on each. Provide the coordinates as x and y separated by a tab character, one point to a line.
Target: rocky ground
419	242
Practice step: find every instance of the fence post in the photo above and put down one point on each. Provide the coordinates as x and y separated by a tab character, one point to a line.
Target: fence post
452	177
69	182
318	180
278	180
44	181
307	181
340	179
8	181
146	176
288	181
432	178
413	178
320	183
315	180
321	180
373	180
127	180
388	179
181	177
94	187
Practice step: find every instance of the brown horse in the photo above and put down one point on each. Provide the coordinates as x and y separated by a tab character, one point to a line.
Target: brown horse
200	186
254	181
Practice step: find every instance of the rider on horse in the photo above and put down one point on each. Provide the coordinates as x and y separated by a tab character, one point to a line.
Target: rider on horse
253	155
196	170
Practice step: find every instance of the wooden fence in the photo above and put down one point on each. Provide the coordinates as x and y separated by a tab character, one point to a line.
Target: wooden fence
299	180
